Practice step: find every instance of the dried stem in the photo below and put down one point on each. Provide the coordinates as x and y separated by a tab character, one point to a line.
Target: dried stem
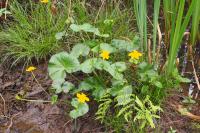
149	51
6	6
159	44
4	104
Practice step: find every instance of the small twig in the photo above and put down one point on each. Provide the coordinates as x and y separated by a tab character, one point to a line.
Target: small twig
196	77
149	20
4	104
67	122
39	101
187	113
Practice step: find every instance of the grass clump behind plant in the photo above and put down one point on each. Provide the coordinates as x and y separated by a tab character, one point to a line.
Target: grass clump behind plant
32	33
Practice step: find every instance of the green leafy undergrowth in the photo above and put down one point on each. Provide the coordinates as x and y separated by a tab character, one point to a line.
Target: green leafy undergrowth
103	77
116	77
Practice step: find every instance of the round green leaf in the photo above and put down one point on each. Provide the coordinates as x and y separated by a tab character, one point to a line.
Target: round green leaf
59	35
80	109
119	66
80	49
108	47
88	65
61	63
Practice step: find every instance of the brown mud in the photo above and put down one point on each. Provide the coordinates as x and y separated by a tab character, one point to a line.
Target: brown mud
36	117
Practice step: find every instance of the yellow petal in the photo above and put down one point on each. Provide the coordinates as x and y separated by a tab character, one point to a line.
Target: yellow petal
105	54
30	69
44	1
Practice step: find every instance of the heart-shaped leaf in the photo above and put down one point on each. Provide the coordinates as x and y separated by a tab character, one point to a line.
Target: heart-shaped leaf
61	63
80	49
80	109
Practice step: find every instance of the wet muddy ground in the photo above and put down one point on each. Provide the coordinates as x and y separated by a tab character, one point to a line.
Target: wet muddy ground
35	117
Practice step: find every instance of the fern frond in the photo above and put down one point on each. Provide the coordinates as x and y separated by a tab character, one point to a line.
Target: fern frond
103	107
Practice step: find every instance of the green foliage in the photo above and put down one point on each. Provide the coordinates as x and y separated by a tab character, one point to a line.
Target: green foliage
195	23
126	90
104	107
62	86
146	112
54	99
80	49
105	79
171	130
178	28
61	63
188	100
32	33
4	11
87	28
123	45
79	109
178	78
124	95
140	9
93	84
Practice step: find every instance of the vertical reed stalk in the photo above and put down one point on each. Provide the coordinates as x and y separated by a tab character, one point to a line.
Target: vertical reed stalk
178	28
155	23
195	23
140	9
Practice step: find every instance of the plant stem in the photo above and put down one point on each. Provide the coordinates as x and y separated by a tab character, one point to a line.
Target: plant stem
38	83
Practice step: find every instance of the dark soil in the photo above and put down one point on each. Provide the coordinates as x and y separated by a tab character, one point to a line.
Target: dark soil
34	117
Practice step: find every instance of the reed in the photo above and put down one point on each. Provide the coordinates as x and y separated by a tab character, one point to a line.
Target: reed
168	10
179	26
140	9
195	23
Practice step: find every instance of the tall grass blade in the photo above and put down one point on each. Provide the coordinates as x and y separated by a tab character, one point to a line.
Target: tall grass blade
169	13
178	30
140	9
195	23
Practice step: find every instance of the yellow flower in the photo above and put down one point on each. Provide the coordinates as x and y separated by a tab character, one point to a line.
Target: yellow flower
135	54
82	97
105	54
44	1
30	69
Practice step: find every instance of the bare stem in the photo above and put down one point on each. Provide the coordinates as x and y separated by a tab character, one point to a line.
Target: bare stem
38	83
